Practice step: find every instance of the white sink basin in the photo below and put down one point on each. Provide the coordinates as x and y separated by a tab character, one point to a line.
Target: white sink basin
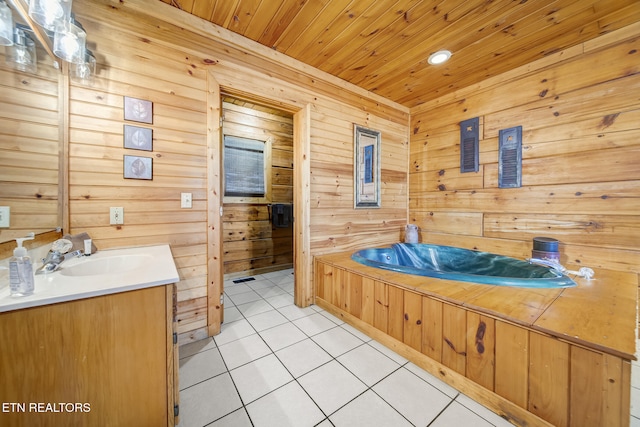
106	272
116	264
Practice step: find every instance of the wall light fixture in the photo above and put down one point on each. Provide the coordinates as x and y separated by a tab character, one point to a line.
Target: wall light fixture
85	71
57	30
69	41
6	25
22	54
50	14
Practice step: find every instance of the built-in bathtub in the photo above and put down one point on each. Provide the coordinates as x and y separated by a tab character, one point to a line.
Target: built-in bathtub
447	262
536	356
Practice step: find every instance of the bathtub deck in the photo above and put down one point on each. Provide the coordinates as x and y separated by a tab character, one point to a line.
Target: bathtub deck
598	314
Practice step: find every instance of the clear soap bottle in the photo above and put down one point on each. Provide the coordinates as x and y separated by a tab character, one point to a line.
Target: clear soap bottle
21	279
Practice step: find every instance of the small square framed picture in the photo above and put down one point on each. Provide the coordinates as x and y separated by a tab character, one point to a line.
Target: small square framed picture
136	167
138	110
138	138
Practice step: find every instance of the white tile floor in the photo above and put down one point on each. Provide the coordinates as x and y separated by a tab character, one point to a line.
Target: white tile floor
275	364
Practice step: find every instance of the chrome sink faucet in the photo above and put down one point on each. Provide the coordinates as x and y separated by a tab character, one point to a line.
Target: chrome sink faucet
57	255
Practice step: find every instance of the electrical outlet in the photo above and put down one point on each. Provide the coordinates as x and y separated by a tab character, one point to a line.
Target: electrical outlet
116	216
5	216
185	200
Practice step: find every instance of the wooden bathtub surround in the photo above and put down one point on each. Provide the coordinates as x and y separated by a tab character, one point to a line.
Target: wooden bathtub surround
114	352
535	356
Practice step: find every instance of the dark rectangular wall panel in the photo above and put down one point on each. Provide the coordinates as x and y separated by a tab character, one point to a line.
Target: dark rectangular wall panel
510	158
470	145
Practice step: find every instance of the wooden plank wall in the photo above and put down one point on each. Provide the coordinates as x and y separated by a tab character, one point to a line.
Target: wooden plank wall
152	213
152	51
335	224
581	148
252	245
29	147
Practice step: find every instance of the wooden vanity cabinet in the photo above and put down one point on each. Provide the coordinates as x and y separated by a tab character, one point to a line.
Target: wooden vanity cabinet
109	360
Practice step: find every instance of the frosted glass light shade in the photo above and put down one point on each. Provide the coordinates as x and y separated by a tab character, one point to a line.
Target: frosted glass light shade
85	71
22	54
6	25
50	14
69	42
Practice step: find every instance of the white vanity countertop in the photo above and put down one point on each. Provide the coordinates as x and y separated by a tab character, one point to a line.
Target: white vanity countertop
128	269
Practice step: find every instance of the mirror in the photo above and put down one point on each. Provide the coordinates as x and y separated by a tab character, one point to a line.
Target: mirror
31	135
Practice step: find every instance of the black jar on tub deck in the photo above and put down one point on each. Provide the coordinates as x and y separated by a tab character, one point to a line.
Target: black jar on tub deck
545	248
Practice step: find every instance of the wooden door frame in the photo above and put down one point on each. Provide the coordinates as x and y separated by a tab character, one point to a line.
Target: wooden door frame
303	286
302	261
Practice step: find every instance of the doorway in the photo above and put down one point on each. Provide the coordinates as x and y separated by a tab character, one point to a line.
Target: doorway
298	192
257	209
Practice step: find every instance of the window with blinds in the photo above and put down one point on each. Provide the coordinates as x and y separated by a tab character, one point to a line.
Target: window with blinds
244	167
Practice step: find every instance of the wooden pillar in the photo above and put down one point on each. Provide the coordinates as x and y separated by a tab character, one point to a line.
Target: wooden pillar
302	261
215	276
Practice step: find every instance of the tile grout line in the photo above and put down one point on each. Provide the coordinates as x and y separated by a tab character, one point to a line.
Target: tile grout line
442	412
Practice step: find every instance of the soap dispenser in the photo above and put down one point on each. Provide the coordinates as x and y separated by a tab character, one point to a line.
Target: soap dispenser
21	279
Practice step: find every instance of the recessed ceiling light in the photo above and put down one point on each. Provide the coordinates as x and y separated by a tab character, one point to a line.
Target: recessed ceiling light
439	57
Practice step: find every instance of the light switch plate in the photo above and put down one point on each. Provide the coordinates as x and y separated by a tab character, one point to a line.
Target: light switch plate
116	216
185	200
5	216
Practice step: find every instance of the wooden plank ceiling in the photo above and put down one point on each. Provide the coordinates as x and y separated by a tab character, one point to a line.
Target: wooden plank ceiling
383	45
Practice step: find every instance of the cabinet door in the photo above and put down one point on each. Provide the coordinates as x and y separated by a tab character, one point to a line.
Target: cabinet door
107	354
